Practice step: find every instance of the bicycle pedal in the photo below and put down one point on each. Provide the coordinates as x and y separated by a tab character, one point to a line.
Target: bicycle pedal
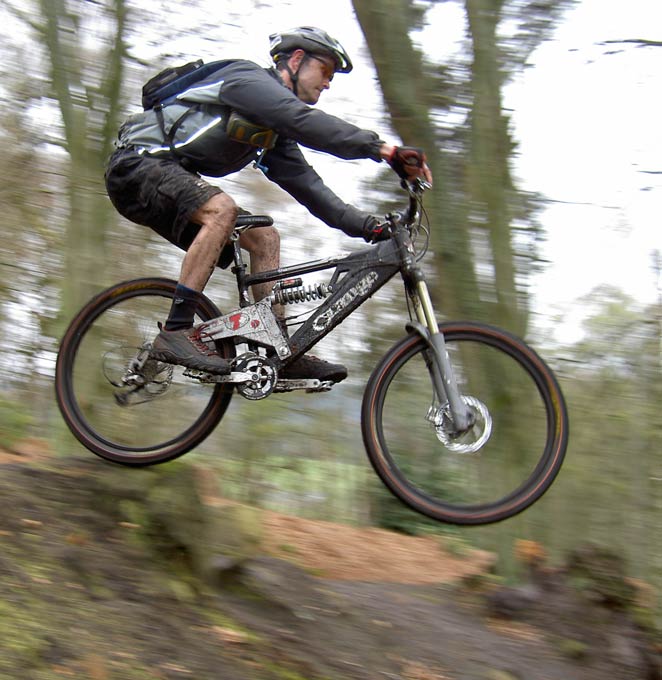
235	377
324	386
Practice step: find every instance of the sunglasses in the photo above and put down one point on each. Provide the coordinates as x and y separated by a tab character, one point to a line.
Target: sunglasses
329	70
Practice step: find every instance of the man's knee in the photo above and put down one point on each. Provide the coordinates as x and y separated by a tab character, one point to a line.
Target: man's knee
219	211
264	240
268	239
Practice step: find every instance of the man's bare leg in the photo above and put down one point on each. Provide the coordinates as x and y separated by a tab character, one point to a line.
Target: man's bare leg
263	244
176	343
217	218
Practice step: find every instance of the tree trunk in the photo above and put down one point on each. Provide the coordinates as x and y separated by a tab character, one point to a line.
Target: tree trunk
490	184
408	92
87	139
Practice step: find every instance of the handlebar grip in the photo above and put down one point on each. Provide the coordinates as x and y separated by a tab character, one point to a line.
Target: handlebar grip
405	160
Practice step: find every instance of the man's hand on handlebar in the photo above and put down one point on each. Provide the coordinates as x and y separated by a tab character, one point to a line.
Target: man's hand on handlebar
407	161
375	231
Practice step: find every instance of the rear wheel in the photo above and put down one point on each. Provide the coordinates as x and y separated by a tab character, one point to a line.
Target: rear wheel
120	404
503	464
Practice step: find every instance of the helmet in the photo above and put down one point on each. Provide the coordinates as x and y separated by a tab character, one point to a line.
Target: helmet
313	40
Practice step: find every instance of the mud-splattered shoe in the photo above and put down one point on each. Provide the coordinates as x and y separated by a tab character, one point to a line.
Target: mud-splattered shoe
310	367
187	348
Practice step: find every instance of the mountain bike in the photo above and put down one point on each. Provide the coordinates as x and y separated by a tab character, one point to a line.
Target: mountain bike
462	421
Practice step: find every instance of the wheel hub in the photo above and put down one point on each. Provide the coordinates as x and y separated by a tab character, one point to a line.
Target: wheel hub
138	377
470	440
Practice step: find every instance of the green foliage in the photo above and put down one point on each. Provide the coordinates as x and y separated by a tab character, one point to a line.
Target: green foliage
15	422
387	512
573	649
26	636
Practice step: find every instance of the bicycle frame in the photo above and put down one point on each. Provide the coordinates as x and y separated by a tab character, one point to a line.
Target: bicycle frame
355	279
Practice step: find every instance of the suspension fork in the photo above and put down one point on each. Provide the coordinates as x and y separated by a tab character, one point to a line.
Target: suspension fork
441	370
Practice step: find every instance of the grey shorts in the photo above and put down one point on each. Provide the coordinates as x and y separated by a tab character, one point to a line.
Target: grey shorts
159	193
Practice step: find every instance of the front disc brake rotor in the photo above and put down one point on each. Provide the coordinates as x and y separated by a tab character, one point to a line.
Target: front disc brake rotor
468	441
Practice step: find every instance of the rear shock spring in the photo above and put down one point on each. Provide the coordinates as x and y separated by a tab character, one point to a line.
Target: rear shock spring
290	292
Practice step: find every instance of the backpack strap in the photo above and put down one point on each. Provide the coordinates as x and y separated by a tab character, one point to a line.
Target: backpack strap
169	136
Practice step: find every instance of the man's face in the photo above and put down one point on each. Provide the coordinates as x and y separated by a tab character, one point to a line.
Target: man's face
315	75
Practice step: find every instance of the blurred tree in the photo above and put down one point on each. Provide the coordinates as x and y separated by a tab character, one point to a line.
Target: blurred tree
31	194
84	49
485	229
86	81
413	91
490	186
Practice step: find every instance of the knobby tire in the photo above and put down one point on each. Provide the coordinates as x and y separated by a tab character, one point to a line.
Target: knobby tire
512	472
86	399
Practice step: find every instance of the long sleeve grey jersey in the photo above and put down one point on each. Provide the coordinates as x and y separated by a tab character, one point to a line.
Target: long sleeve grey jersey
258	94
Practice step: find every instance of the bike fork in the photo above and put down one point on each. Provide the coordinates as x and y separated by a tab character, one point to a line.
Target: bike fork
441	370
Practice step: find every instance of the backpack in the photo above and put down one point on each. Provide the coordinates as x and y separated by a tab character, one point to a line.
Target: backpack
174	80
167	84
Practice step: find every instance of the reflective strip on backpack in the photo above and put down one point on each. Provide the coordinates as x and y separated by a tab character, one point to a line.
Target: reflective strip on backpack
202	94
196	135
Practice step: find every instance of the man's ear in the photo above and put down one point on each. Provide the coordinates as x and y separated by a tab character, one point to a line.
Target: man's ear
295	60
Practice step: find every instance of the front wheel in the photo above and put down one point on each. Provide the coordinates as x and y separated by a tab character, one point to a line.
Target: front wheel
503	464
118	402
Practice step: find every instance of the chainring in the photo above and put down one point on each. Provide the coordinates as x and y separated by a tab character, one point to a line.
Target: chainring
265	376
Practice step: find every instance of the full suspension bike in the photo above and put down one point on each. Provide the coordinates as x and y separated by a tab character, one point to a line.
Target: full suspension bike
462	421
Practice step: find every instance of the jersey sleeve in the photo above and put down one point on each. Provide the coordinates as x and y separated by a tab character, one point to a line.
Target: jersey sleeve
286	166
262	98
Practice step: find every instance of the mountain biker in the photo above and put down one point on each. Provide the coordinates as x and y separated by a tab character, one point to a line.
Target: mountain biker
239	114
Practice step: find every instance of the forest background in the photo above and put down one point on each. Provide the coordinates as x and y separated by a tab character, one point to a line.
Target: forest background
73	70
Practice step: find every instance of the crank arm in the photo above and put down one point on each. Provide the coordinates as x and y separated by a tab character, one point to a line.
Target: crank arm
310	385
239	377
236	377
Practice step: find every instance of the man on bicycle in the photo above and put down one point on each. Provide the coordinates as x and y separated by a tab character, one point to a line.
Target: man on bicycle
240	114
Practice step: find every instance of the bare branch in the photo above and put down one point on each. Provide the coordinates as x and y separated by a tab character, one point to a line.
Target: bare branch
640	42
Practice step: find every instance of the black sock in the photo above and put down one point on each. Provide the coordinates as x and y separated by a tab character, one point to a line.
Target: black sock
182	311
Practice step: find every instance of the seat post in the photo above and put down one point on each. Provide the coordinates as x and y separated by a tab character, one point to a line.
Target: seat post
239	269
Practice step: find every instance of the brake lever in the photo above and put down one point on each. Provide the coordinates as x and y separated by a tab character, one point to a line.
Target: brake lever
416	186
394	218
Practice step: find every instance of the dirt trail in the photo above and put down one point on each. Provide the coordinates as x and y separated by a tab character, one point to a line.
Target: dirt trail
100	578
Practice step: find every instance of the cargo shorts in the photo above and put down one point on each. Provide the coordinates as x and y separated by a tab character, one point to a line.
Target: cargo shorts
160	194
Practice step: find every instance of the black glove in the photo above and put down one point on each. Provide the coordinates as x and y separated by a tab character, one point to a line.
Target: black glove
374	230
407	161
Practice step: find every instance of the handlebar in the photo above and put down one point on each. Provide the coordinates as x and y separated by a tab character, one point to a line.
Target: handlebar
415	189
